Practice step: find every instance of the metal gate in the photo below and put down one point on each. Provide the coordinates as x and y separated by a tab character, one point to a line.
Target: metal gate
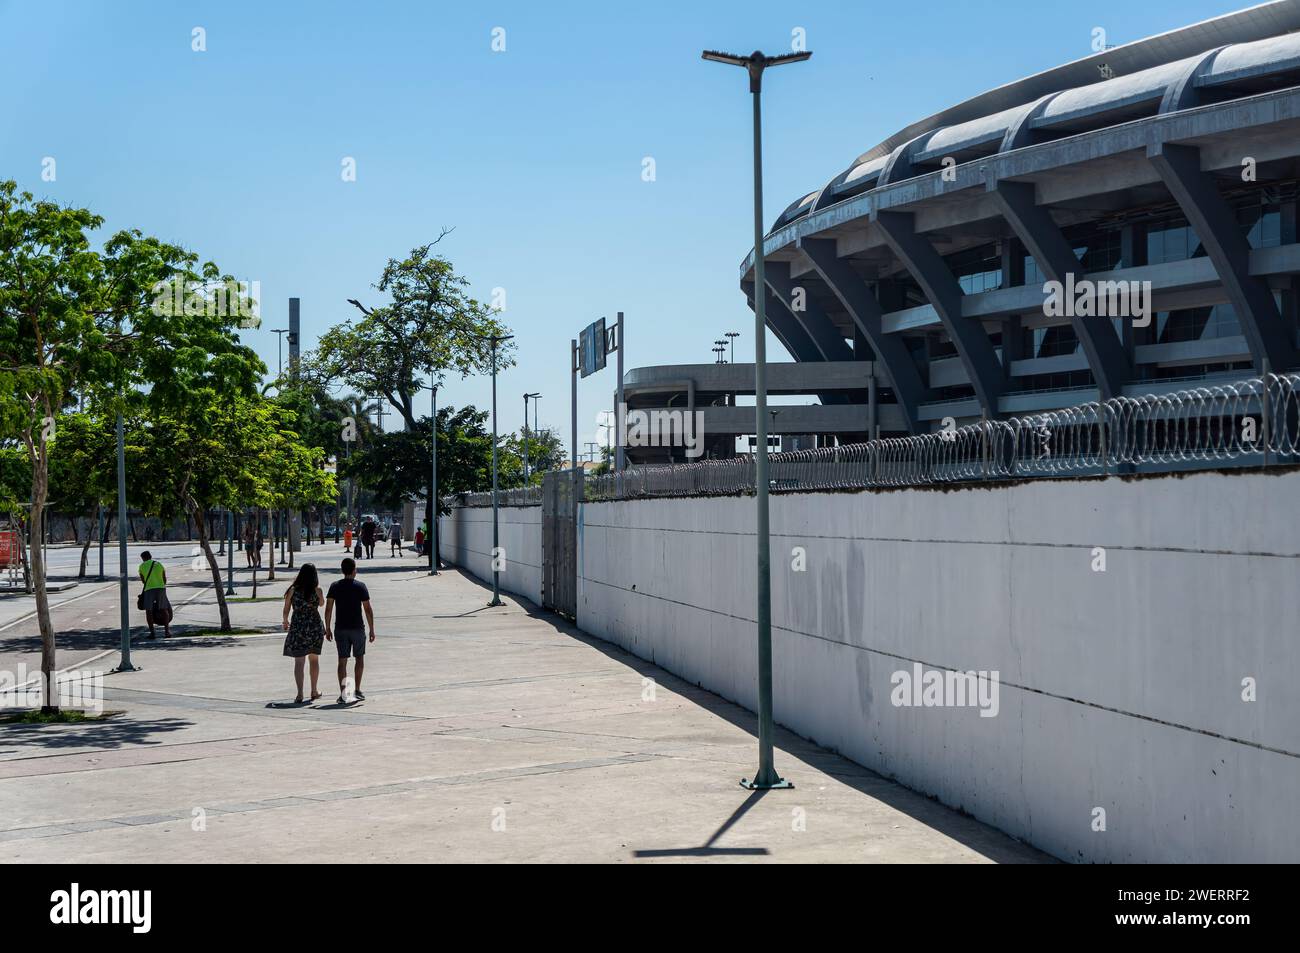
561	492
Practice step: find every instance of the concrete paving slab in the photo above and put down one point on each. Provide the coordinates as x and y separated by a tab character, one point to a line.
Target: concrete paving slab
487	735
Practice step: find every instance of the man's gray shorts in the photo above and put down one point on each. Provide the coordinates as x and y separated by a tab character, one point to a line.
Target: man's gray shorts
350	642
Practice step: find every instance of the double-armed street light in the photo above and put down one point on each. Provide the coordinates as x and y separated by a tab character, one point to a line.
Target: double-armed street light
766	777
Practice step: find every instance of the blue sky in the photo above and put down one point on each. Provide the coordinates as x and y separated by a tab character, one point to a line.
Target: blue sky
534	154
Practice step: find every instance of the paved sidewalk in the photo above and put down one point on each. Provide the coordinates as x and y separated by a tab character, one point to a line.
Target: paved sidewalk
487	735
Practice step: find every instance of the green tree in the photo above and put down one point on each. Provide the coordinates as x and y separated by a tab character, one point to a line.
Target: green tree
70	317
397	466
83	468
432	326
545	452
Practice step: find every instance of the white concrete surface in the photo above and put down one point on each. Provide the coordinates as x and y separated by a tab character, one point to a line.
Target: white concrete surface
467	542
1119	691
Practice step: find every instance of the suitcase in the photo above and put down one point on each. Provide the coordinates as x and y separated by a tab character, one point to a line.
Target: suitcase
356	550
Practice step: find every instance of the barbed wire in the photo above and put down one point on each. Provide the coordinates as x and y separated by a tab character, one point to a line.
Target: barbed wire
1205	426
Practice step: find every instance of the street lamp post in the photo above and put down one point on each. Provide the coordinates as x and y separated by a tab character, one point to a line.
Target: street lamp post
279	352
527	398
230	552
495	339
124	664
766	776
732	335
431	540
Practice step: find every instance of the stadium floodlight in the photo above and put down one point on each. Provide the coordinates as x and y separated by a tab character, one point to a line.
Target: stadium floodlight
766	776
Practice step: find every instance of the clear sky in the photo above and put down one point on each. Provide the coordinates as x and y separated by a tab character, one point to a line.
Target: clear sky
534	154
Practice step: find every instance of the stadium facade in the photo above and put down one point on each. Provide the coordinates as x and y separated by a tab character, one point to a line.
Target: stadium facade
1162	174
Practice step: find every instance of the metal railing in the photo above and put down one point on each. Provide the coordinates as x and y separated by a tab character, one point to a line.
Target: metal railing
1213	425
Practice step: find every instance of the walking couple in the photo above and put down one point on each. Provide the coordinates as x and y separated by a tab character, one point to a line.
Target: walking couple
303	644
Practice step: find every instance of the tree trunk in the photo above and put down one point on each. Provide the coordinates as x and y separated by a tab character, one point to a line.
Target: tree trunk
206	546
130	522
40	490
85	553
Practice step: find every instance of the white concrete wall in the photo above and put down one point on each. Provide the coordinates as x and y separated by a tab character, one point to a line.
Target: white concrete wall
467	542
1119	690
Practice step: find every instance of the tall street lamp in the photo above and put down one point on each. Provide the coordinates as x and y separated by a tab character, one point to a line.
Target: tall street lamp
431	538
732	335
527	398
766	776
279	351
124	663
537	399
494	340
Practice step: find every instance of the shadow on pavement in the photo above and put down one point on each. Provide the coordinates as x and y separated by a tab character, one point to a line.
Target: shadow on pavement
707	849
951	822
110	733
81	640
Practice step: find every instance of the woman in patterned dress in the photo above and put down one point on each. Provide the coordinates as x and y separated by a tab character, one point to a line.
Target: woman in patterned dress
306	632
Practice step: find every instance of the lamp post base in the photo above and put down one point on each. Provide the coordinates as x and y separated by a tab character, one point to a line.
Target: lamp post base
775	784
128	667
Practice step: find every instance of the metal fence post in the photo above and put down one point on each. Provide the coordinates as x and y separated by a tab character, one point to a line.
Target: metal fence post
1264	408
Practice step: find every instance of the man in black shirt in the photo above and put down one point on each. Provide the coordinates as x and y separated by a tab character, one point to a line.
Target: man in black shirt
352	598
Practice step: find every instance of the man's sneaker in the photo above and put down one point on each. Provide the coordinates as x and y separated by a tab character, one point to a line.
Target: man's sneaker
341	701
360	696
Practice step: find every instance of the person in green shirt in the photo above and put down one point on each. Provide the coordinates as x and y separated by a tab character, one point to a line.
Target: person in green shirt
153	600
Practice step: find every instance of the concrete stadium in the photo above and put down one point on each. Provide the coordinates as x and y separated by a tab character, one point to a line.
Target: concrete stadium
912	288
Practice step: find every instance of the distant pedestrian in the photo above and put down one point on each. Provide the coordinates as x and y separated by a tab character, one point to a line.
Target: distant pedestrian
352	598
368	533
153	598
302	601
249	542
419	541
395	539
347	537
259	542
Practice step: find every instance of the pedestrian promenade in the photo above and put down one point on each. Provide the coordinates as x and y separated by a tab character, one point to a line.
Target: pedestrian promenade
487	735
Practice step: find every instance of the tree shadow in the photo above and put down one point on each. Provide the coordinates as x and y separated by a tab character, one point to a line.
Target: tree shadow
109	733
83	640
